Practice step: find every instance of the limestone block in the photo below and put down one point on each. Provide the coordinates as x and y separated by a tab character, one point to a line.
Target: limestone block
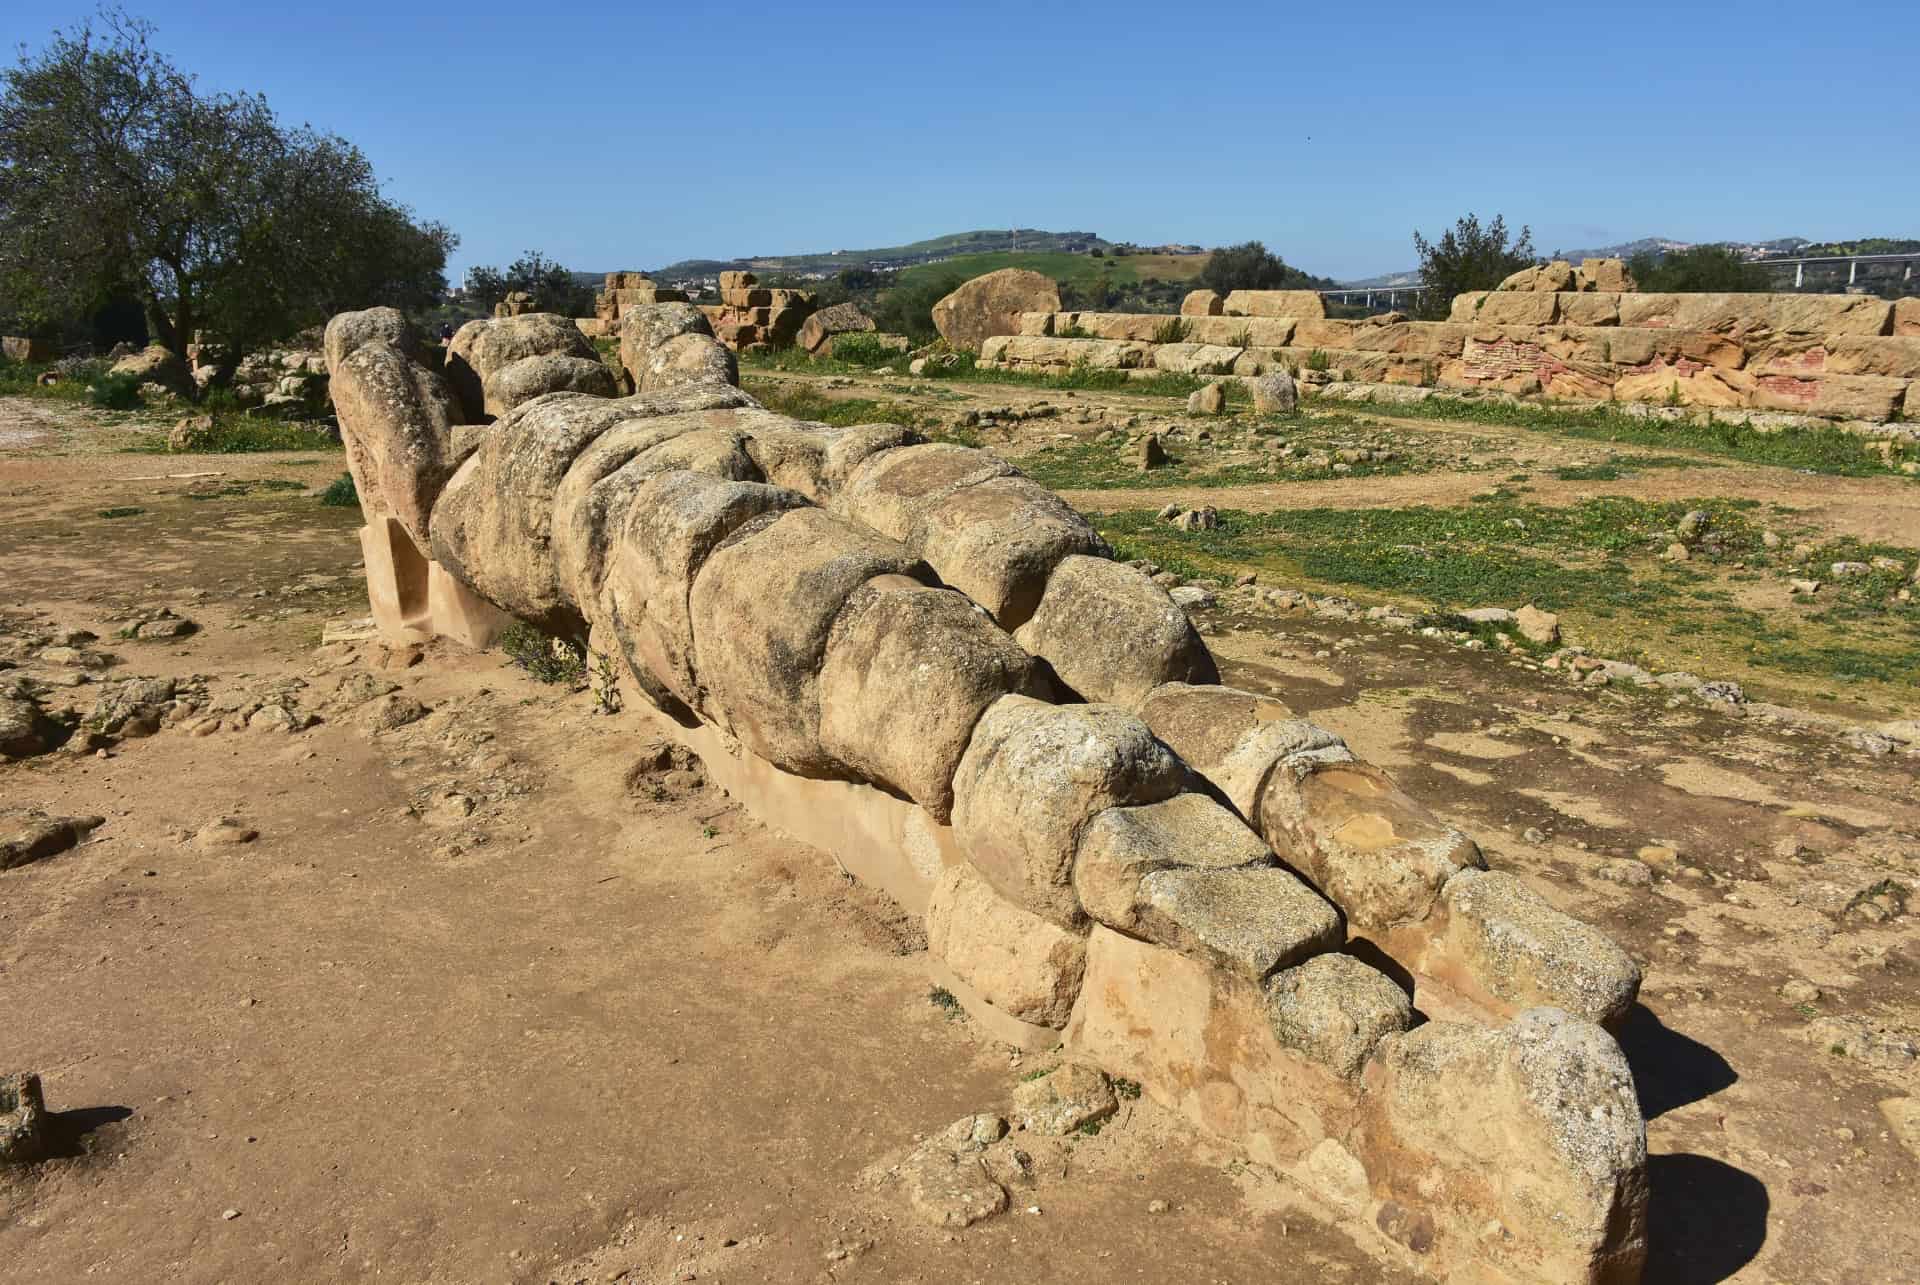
1195	359
1033	775
645	327
1466	306
1590	309
1335	1010
1203	303
1111	634
1534	1127
1097	354
1024	966
852	447
908	672
1516	308
1381	856
1303	304
999	541
828	323
790	574
890	490
350	330
1121	846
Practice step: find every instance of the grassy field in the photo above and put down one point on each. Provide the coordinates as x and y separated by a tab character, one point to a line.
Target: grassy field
1597	563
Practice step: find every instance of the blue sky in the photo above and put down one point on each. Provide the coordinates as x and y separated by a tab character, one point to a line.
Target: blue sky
632	135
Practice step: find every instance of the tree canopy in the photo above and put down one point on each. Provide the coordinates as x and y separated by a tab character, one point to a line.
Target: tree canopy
553	287
1467	257
1249	266
1711	268
120	178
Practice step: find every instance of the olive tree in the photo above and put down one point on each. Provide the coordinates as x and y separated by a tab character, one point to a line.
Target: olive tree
1468	256
119	177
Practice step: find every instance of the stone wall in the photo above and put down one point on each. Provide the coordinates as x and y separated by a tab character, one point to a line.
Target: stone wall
1841	357
914	657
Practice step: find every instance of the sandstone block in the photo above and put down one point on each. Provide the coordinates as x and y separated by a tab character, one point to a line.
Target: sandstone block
645	327
689	359
1378	854
789	573
1121	846
891	490
1023	965
991	305
1534	1126
396	421
1334	1010
852	447
480	348
1275	394
1524	953
908	672
999	541
1275	303
1112	634
829	323
1516	308
1251	920
1195	359
531	377
1032	777
349	330
1203	303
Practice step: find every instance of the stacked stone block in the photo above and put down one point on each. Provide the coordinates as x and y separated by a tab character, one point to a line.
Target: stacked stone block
1842	357
916	656
749	313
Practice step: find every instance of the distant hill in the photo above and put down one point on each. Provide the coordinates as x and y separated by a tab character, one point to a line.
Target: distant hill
953	245
1779	247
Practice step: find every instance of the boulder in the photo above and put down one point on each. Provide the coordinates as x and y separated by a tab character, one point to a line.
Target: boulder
850	448
826	325
789	574
1211	400
908	672
1203	303
1031	778
1111	634
1335	1010
1024	966
1274	394
32	835
396	422
890	490
991	305
1068	1098
157	365
480	348
531	377
672	525
194	433
1232	737
1607	276
1150	454
1537	626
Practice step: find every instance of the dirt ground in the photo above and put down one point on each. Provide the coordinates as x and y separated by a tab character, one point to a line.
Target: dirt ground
480	1002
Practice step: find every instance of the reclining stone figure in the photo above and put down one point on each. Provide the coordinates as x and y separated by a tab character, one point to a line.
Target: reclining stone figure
911	655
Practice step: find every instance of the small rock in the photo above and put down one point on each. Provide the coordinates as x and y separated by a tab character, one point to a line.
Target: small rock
1676	552
1537	626
1798	990
1150	454
1626	872
224	832
23	1119
1064	1100
1156	1206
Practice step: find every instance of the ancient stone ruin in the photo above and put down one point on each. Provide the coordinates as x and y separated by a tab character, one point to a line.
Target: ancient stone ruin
913	657
621	290
752	316
1581	335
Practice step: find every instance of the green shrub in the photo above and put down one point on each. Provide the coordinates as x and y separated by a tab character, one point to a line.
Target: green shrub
115	392
1317	360
1174	330
342	494
545	658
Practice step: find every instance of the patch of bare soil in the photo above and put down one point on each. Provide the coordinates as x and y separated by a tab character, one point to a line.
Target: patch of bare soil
501	992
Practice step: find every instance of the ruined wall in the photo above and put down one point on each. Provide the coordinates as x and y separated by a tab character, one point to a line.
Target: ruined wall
1843	357
911	655
751	314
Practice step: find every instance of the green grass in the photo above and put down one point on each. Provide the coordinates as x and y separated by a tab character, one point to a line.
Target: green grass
1081	269
1815	449
241	489
242	435
1595	560
1615	467
806	403
1100	466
